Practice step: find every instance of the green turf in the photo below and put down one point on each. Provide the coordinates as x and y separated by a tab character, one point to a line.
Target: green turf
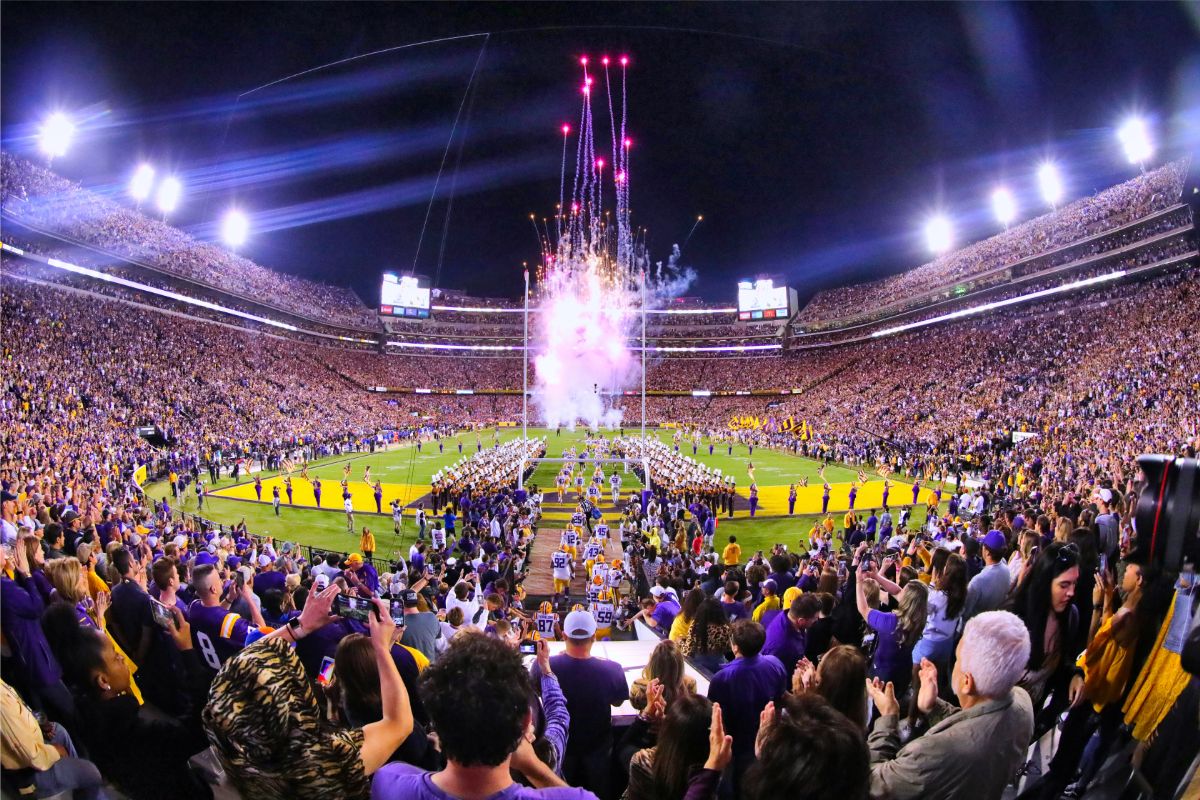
326	528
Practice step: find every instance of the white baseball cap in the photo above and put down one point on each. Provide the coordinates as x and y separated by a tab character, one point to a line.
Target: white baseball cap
1106	495
321	581
579	625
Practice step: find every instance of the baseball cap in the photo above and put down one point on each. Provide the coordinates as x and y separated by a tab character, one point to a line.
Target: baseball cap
1018	522
580	625
994	540
233	562
410	598
321	581
771	585
264	560
70	516
355	559
1106	495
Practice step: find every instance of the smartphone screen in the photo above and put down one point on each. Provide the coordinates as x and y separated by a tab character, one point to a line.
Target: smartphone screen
528	648
326	671
351	607
162	614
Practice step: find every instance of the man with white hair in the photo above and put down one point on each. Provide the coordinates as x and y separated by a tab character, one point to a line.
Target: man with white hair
968	752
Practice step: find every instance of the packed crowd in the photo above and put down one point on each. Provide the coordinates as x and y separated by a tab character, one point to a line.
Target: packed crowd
36	196
1111	208
884	660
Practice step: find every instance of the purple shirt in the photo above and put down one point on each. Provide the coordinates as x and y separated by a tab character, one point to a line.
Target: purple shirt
400	781
735	611
890	662
592	686
742	688
785	642
664	613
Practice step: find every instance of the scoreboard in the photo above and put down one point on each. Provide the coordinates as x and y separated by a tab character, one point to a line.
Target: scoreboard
403	297
763	300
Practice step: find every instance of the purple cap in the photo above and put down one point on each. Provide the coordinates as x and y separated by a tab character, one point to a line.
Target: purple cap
205	558
1018	522
994	540
770	583
233	562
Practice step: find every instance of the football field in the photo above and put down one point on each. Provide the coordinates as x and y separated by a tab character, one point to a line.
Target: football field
405	472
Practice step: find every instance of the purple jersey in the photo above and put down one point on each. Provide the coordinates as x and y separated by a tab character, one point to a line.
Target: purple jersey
217	632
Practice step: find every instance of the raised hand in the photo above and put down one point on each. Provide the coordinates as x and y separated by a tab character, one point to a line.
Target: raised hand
884	697
656	705
720	746
927	697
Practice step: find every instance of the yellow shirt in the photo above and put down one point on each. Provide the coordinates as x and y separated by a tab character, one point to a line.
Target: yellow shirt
679	629
367	542
849	519
22	745
733	554
768	604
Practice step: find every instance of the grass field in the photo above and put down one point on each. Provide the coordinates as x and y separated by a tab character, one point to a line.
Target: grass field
405	474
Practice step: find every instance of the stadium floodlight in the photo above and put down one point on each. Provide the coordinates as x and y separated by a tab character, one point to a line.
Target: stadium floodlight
54	137
235	227
1050	182
1005	206
142	183
1134	135
939	234
169	192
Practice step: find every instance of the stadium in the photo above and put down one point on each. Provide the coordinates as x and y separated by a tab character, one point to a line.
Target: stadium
620	521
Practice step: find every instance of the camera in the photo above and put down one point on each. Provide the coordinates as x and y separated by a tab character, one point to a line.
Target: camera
1168	512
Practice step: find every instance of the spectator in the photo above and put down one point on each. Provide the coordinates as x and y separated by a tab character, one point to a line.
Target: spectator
744	687
708	638
591	685
988	590
666	665
479	684
41	756
812	752
787	635
265	726
970	751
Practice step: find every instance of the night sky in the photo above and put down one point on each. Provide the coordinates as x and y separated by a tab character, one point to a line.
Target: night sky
814	139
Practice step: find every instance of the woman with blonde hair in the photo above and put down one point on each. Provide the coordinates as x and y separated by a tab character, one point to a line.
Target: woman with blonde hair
87	553
69	579
666	664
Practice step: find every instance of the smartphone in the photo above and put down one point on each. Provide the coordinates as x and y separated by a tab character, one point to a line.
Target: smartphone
350	607
239	580
1103	564
162	614
528	648
326	671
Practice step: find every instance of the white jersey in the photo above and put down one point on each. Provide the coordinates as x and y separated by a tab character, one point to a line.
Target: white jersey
593	592
438	536
570	538
602	530
604	613
592	550
560	563
546	625
615	576
601	569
